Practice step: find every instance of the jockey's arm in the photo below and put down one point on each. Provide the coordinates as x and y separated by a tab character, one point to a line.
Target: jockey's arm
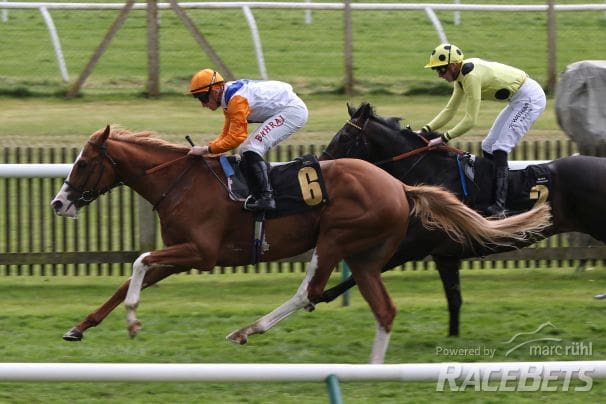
448	112
235	128
472	88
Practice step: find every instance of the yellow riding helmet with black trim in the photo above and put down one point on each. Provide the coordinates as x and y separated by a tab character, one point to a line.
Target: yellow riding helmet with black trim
444	54
203	80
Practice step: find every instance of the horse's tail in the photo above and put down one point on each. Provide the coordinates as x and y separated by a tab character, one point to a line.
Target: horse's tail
440	209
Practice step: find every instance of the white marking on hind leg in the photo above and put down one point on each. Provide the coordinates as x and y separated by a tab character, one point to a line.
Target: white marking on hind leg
298	301
380	344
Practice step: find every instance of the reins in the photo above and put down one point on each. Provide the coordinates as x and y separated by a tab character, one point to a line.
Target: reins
174	184
422	149
90	195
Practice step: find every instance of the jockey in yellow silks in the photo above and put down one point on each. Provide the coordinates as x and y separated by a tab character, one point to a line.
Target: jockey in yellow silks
475	80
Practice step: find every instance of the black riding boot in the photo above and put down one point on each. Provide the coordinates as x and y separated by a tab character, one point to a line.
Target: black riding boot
501	183
262	196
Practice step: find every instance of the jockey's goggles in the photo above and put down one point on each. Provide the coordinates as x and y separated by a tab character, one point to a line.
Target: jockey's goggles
440	69
202	97
205	96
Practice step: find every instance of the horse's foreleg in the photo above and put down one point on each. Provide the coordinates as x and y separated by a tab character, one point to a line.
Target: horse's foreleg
133	294
449	274
97	316
175	258
298	301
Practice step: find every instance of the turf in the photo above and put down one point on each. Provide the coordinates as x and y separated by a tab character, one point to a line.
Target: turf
187	316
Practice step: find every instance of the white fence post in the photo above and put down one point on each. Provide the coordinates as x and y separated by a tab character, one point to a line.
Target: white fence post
4	13
52	31
457	14
436	24
254	33
308	13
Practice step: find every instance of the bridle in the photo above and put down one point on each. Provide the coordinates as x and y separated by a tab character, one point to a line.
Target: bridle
89	195
354	125
401	156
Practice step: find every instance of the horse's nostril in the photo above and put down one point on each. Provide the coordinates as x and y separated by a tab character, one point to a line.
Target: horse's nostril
57	204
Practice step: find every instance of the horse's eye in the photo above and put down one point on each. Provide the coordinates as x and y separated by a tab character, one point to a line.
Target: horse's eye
345	138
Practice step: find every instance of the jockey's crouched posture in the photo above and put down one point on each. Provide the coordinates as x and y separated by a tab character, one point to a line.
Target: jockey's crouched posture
476	79
273	104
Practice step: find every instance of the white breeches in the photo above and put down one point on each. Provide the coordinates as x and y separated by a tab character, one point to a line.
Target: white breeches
516	118
275	129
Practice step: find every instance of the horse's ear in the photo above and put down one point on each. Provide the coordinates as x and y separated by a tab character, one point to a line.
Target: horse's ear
351	110
365	111
105	134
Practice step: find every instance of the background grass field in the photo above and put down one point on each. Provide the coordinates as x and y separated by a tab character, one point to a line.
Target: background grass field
186	318
390	47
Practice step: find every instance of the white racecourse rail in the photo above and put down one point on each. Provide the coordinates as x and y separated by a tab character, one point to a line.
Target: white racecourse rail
62	170
428	8
272	372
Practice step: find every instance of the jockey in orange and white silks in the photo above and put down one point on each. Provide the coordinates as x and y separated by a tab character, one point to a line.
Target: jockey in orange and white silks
475	80
272	104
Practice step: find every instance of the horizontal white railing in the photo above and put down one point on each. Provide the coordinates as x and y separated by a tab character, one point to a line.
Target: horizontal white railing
271	372
62	170
34	170
313	6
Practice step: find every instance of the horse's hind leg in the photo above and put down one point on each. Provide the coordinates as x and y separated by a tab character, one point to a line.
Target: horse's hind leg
97	316
449	274
373	290
298	301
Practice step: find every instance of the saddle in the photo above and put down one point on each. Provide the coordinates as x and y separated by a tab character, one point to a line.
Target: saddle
527	187
298	185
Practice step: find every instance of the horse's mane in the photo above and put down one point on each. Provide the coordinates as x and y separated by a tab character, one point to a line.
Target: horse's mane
392	122
396	132
145	138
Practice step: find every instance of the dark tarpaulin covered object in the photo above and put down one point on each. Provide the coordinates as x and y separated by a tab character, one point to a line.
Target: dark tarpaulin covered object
580	103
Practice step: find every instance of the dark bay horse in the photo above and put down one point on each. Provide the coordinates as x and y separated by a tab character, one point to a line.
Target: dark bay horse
574	188
363	222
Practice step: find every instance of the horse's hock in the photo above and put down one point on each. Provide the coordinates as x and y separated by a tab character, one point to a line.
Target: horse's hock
580	99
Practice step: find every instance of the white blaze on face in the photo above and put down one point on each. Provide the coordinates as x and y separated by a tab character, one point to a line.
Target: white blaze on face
60	204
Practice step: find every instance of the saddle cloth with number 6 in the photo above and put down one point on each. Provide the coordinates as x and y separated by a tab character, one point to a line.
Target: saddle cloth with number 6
298	185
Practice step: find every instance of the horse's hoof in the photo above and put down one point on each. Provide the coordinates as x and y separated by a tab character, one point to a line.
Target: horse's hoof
237	338
310	307
134	328
73	335
600	296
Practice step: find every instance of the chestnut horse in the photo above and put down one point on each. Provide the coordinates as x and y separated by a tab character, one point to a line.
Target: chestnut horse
363	221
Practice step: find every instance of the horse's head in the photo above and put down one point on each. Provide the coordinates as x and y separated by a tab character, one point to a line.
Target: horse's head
350	141
370	137
92	174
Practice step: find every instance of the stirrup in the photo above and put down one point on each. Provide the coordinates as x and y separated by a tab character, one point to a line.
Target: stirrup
256	204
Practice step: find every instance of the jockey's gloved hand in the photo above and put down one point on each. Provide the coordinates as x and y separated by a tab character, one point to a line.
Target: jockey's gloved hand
423	131
442	139
436	142
198	151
